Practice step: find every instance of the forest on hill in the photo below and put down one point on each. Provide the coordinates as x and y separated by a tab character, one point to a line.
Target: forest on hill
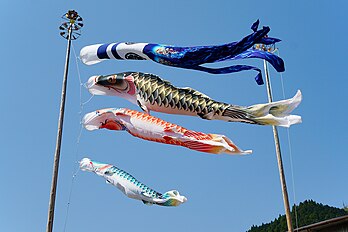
308	212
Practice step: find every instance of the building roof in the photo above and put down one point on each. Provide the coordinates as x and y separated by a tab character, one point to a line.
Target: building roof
324	224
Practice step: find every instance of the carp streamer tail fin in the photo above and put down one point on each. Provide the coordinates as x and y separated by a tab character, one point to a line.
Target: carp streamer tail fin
172	198
274	113
213	143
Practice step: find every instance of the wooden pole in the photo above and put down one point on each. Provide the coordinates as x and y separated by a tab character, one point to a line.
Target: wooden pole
279	156
69	30
59	139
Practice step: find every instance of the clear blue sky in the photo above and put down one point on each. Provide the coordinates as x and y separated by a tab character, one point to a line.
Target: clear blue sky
225	193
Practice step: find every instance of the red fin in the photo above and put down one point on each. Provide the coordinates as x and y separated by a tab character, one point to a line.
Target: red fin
120	113
168	139
197	135
124	113
203	147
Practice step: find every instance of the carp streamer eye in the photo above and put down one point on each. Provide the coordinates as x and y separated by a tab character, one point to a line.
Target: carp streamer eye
112	80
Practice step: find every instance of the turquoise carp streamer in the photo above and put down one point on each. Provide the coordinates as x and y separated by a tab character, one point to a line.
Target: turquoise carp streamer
130	186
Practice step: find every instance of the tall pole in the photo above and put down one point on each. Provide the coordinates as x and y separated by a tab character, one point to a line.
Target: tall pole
279	156
68	27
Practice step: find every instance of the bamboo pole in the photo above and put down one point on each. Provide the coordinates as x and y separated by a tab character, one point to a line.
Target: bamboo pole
279	155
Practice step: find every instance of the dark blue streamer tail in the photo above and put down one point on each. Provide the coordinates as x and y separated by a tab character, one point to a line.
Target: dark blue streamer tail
255	25
273	59
232	69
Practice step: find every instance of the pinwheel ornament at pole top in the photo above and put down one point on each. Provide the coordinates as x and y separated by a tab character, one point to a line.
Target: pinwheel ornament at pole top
73	22
267	48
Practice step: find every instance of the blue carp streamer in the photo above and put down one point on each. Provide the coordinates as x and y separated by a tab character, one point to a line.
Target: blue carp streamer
191	57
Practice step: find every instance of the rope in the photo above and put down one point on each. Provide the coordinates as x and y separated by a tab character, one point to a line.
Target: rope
77	140
69	198
290	155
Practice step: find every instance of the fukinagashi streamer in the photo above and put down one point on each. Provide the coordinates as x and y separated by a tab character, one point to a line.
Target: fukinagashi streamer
130	186
152	93
191	57
150	128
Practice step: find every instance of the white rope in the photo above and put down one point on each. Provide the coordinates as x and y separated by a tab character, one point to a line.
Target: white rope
87	100
77	140
290	154
69	198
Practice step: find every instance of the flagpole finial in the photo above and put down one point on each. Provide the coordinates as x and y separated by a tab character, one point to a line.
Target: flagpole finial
73	22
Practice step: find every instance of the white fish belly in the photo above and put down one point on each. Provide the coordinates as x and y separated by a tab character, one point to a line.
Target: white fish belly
170	110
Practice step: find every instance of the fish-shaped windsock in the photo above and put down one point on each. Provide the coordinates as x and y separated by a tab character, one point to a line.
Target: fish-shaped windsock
130	186
190	57
152	93
150	128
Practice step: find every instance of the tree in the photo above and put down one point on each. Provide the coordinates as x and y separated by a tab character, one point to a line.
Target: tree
308	212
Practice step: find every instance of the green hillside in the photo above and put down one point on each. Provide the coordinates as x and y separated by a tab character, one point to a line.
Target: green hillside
308	212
